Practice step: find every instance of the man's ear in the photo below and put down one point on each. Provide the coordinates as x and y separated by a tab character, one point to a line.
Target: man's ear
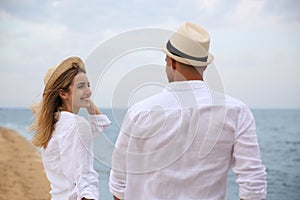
62	94
173	63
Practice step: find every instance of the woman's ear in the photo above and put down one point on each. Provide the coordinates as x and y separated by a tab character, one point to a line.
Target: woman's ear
63	94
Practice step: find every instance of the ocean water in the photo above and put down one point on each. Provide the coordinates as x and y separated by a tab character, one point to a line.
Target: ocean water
278	132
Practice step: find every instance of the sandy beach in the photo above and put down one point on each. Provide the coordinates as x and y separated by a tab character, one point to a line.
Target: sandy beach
21	169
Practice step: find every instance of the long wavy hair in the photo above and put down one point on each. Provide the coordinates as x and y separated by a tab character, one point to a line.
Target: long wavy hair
46	113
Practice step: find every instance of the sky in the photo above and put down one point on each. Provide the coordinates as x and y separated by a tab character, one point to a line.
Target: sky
255	44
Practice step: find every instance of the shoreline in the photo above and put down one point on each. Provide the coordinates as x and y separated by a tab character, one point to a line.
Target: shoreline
21	169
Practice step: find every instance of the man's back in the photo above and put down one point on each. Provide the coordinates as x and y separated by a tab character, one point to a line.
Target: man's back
181	143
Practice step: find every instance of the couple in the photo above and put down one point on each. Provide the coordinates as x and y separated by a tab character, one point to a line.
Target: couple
178	144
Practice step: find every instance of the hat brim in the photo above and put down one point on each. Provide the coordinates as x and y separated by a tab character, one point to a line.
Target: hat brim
62	67
186	61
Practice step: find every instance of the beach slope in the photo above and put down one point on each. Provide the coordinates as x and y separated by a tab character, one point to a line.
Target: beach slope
22	174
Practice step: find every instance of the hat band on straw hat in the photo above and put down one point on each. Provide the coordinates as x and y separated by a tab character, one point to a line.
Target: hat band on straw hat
179	53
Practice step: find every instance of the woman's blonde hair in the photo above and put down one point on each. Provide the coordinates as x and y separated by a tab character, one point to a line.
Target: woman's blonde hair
46	113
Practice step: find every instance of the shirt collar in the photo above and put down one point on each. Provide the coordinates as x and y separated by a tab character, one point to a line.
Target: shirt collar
186	85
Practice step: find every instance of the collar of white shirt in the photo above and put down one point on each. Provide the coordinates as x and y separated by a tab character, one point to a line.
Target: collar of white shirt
186	85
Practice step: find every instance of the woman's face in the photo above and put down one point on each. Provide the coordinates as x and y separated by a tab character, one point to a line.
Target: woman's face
80	93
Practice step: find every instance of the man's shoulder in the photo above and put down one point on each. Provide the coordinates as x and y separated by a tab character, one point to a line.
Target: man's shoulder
230	100
147	103
237	105
165	100
220	98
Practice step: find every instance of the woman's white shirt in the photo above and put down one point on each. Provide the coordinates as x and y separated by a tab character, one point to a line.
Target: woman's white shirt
68	159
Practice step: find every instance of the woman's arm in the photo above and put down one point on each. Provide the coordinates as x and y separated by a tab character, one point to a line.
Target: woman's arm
77	159
98	121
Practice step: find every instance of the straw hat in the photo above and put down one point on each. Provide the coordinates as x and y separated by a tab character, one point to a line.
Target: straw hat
54	72
189	45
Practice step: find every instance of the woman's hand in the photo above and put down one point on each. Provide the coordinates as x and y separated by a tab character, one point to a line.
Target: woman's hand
92	108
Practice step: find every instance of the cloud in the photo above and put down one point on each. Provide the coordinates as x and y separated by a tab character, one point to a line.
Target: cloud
264	14
36	35
31	10
22	40
207	5
288	10
246	11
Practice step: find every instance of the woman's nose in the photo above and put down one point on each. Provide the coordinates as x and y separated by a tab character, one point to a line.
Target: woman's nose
88	91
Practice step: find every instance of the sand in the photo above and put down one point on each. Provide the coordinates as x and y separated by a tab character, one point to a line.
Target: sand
22	174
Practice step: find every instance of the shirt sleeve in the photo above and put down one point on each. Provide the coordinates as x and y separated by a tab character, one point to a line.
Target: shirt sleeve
98	123
247	165
77	160
117	180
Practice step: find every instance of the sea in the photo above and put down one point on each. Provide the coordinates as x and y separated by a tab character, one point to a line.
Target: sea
278	132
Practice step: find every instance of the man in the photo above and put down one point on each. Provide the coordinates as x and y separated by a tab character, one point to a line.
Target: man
181	143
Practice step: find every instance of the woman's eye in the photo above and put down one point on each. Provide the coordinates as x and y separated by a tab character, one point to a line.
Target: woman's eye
83	85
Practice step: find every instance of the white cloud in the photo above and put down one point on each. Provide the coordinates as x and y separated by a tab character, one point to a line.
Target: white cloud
56	3
38	34
22	41
207	5
246	12
4	15
263	14
288	10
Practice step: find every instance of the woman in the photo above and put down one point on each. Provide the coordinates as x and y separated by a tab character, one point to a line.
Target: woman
65	137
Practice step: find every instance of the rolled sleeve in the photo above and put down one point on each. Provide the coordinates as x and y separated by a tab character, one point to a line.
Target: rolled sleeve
117	182
98	123
251	174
